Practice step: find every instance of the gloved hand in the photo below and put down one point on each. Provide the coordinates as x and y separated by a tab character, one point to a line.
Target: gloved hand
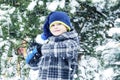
34	54
34	51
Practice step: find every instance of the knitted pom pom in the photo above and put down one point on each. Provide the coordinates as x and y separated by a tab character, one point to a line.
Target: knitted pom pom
41	39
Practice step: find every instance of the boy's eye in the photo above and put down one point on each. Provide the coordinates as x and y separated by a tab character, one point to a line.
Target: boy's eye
55	24
52	25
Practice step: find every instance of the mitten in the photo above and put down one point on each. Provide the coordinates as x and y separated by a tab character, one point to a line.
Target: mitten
34	54
34	50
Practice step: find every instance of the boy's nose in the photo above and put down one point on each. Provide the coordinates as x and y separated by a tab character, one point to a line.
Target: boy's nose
55	26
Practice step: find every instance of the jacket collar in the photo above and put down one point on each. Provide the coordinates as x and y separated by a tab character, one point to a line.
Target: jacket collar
65	36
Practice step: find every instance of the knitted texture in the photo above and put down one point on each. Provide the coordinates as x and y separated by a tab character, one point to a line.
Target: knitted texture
51	18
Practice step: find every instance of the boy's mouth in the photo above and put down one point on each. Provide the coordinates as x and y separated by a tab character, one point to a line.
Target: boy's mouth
56	30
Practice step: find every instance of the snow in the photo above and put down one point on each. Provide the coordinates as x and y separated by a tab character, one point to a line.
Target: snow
117	23
62	3
31	5
40	2
8	10
52	6
95	1
108	73
113	31
89	66
3	12
35	73
117	20
109	45
73	4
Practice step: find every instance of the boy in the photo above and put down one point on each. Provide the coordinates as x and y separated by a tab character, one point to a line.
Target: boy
56	58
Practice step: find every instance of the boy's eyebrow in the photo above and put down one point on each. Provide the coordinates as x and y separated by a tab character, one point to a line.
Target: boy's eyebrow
56	23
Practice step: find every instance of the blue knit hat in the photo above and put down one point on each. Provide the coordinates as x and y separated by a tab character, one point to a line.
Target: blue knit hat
56	16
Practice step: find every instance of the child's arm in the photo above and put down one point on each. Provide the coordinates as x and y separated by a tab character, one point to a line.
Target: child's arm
34	54
34	51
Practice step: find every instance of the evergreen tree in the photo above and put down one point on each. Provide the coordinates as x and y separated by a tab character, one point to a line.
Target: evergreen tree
90	20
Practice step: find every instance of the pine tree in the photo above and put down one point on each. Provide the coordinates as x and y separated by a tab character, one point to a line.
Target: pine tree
90	20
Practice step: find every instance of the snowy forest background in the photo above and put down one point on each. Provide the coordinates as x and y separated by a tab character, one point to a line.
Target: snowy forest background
96	21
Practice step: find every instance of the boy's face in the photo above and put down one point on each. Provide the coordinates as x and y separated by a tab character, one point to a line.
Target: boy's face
57	29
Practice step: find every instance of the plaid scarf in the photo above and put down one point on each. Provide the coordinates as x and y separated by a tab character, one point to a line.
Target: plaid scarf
59	60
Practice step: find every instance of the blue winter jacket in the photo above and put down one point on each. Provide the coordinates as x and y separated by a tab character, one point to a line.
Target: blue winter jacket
59	57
